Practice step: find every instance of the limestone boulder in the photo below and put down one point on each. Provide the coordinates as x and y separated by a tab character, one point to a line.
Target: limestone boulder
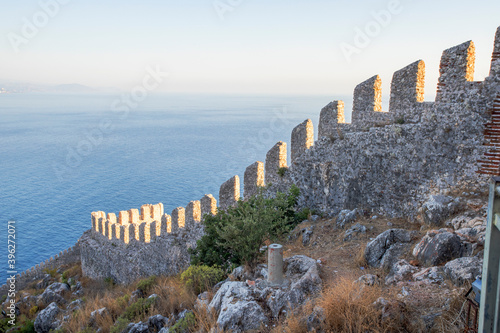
347	216
54	293
438	208
438	247
238	311
464	269
377	249
353	231
400	271
430	275
47	319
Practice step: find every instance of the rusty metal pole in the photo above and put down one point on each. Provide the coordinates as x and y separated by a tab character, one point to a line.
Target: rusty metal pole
275	264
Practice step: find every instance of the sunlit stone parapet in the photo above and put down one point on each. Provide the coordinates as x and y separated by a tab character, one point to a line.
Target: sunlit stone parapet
302	139
166	224
133	215
127	233
146	212
157	211
193	213
112	217
407	87
253	179
329	118
179	217
275	160
455	70
208	205
229	192
123	217
367	99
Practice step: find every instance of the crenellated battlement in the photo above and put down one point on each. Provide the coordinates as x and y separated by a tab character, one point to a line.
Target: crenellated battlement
384	161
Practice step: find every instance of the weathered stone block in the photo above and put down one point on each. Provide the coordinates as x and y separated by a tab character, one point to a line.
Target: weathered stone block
208	205
229	192
329	118
253	179
178	218
275	159
112	217
367	98
302	138
193	212
407	87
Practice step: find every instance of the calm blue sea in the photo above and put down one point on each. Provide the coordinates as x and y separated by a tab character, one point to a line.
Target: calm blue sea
64	156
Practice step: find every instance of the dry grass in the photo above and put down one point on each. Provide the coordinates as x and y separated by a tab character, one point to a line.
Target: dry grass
349	307
172	297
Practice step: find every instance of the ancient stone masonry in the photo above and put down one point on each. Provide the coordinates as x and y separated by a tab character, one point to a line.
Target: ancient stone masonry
275	160
302	138
253	179
229	193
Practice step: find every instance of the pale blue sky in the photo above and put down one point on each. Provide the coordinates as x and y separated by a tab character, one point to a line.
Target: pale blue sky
275	47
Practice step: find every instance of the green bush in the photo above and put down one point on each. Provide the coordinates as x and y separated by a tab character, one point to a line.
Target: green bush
183	325
28	327
119	326
201	278
235	235
282	171
137	308
146	284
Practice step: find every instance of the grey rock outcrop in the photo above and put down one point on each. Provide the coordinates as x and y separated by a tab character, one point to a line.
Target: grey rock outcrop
54	293
438	208
377	249
437	247
400	271
353	231
241	306
46	319
347	216
463	270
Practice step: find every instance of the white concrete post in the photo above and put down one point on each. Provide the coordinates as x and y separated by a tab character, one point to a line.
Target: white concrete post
275	264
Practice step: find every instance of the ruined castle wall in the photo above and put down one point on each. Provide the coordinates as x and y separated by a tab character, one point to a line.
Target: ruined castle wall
386	162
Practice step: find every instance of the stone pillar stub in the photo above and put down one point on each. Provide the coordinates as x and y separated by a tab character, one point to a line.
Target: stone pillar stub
275	264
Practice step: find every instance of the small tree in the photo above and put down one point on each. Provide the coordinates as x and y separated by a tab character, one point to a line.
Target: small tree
235	235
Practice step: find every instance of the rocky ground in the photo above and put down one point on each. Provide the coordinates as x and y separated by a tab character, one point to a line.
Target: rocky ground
354	272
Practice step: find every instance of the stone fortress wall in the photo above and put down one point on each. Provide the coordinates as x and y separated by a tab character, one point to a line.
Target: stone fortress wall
387	162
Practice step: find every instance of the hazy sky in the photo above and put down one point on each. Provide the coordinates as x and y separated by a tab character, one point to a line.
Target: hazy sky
238	46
